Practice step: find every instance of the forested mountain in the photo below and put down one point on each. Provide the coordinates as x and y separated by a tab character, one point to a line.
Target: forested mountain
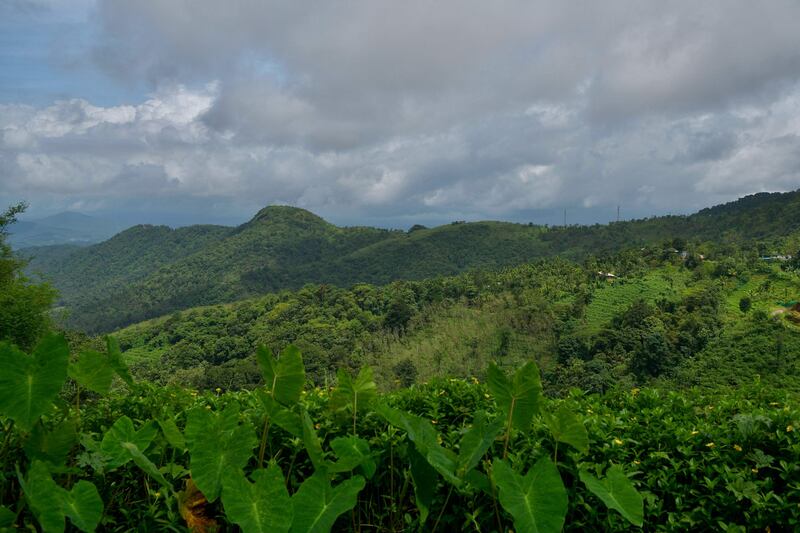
149	271
716	321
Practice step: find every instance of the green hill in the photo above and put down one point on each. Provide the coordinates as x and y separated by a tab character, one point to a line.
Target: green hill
149	271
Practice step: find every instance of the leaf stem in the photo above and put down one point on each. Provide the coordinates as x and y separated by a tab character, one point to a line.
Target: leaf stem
263	447
508	427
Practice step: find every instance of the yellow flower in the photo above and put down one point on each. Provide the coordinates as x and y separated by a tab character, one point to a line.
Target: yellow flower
157	495
434	422
617	441
637	462
754	470
218	390
486	395
317	425
475	380
737	447
789	428
635	391
710	445
774	404
695	432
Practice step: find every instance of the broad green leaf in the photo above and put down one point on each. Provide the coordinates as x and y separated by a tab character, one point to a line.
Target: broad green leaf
51	503
7	517
83	505
52	446
536	501
146	464
172	433
476	441
480	481
313	444
30	383
518	398
567	428
92	371
217	443
284	378
354	394
317	505
617	492
44	497
116	361
353	452
121	432
424	436
260	506
281	416
426	481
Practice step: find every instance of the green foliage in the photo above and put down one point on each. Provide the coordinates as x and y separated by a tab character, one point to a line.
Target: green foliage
30	383
537	500
566	427
263	505
617	492
218	443
121	433
52	504
92	371
285	377
317	504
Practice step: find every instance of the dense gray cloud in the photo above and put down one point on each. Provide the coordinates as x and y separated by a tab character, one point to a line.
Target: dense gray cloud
400	111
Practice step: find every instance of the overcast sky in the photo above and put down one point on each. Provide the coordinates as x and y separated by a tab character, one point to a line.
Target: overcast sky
391	113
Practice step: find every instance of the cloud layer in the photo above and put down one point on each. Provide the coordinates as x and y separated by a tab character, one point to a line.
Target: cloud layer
414	110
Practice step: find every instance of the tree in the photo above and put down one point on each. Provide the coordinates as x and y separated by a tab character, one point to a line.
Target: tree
24	306
745	304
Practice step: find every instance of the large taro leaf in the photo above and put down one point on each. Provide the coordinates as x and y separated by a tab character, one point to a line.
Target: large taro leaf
30	383
279	415
171	432
567	428
54	445
217	442
476	441
285	377
92	371
317	504
147	466
354	394
424	436
121	432
425	483
537	501
260	506
116	362
51	503
519	397
617	492
353	452
313	444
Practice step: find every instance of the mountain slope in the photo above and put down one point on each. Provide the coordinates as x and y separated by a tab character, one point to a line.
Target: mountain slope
146	272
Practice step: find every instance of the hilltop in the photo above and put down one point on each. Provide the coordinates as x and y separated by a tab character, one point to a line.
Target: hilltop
148	271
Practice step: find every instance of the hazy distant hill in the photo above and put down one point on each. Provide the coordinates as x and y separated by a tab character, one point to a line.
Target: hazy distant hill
148	271
63	228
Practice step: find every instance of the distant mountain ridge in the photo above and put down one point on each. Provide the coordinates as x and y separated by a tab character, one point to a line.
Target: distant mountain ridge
147	271
63	228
